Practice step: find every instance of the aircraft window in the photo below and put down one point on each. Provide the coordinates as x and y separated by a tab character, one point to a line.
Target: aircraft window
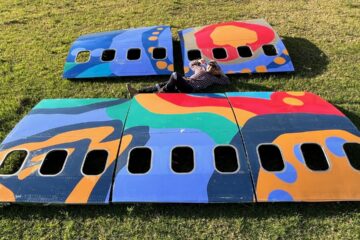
219	53
314	157
269	50
226	160
244	51
182	159
271	158
133	54
12	162
108	55
53	163
352	151
159	53
95	162
139	160
194	54
83	57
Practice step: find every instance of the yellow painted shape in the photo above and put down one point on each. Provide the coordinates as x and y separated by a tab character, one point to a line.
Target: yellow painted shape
97	134
171	67
6	195
296	94
242	116
157	105
233	35
150	49
153	38
83	189
38	158
245	70
293	101
28	171
280	60
161	64
261	68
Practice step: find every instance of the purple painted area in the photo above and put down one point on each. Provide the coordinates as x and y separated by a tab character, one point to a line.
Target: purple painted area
335	145
298	154
119	42
280	196
161	184
37	123
289	174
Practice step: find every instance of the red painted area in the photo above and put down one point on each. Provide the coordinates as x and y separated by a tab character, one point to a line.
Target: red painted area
204	42
312	104
186	100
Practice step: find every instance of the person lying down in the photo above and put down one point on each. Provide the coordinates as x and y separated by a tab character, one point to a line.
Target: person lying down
205	75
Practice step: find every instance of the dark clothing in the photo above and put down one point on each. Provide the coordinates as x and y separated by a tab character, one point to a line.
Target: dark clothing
201	79
176	83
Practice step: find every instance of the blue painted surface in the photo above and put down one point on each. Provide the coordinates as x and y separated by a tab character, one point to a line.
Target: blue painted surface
121	41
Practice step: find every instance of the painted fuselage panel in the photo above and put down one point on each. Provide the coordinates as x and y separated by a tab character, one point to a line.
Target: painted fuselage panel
77	126
145	39
231	35
287	120
164	121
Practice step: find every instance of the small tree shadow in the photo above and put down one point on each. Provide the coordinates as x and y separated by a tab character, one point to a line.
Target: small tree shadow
308	59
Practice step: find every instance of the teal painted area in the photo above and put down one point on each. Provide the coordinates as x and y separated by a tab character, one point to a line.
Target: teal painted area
100	70
119	112
69	65
69	103
220	129
262	95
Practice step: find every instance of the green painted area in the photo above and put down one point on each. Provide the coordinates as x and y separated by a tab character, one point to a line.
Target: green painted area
69	103
69	65
96	71
220	129
119	111
322	37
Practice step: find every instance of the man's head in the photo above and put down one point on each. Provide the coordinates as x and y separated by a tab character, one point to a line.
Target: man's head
213	68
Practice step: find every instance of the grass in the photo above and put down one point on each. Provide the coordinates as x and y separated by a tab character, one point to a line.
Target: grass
323	38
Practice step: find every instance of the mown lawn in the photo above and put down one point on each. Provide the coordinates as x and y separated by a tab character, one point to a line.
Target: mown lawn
323	38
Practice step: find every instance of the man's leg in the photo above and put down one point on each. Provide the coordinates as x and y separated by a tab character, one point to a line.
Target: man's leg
179	83
150	89
171	83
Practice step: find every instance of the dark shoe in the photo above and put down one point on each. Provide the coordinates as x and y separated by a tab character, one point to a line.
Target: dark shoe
132	91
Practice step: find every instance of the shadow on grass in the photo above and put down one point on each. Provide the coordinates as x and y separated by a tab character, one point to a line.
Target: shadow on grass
308	59
193	211
352	116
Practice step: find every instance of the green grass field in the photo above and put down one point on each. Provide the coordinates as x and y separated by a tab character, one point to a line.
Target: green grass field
323	38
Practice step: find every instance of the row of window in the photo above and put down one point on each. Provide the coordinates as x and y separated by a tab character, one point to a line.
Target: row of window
108	55
54	162
182	159
313	155
226	159
243	51
132	54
